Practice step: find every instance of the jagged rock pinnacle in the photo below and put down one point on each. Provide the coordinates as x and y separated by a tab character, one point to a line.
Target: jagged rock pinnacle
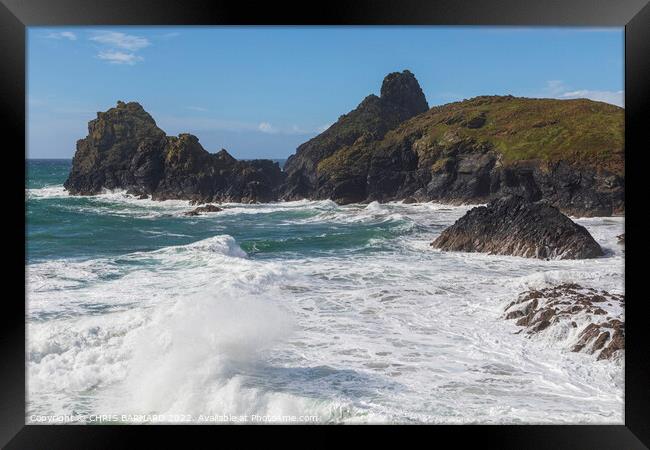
401	88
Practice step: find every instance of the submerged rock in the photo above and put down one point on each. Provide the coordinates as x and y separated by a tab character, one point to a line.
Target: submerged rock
514	226
125	149
203	209
563	307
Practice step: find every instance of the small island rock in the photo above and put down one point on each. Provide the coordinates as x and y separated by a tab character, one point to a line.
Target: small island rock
513	226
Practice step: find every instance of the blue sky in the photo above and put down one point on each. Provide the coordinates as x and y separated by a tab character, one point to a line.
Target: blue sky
261	91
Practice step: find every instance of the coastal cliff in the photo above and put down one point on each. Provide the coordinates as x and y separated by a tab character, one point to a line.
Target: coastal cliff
125	149
569	153
400	99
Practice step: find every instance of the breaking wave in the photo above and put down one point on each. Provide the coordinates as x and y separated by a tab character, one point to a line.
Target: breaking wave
298	308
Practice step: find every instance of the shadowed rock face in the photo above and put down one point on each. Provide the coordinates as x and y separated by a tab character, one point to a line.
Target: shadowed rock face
403	92
569	152
125	149
401	98
513	226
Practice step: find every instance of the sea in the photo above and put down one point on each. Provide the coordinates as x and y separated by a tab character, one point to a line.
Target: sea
293	312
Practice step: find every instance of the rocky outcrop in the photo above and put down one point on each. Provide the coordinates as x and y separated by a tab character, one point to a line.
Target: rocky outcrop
514	226
400	99
125	149
203	209
591	320
568	152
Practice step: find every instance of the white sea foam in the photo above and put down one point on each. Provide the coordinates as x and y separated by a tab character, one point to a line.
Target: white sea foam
407	334
190	356
56	191
225	245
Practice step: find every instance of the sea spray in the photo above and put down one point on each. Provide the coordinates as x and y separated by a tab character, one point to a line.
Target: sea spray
124	295
188	358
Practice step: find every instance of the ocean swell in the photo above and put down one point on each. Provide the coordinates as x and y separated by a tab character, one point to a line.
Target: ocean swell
298	308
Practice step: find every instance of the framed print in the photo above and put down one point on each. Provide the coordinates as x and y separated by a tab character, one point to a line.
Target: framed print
354	214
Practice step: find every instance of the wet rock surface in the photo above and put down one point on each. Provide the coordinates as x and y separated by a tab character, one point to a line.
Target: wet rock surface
590	320
514	226
203	209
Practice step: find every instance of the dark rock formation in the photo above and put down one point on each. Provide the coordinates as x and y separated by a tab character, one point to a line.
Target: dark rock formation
513	226
391	147
569	304
401	98
203	209
621	239
569	152
125	149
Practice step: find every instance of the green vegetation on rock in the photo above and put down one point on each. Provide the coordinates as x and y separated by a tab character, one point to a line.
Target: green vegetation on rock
581	132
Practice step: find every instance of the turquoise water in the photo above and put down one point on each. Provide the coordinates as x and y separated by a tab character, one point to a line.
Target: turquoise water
85	227
306	308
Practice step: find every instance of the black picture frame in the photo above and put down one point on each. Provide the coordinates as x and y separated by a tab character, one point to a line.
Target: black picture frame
634	15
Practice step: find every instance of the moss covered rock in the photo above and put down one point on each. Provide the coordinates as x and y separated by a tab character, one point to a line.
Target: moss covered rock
569	152
401	98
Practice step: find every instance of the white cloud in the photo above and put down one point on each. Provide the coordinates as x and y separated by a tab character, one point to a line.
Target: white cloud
202	123
62	35
120	40
266	127
197	108
171	123
117	57
613	97
119	48
555	87
169	35
558	89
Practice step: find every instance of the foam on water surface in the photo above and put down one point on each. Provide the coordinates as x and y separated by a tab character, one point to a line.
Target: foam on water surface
298	308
